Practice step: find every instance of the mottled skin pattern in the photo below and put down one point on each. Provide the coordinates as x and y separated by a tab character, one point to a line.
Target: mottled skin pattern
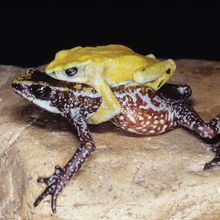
144	112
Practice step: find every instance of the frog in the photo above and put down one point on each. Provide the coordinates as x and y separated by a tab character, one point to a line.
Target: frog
144	112
107	66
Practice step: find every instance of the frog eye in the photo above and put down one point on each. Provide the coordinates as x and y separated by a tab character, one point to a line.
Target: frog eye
40	91
168	71
71	71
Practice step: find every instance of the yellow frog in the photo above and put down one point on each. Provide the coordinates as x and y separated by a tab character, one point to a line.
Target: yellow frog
103	67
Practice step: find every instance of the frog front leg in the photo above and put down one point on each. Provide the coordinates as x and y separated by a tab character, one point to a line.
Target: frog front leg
189	118
109	107
155	75
56	182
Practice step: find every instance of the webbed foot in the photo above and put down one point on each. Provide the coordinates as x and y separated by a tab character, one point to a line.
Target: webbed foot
54	185
216	160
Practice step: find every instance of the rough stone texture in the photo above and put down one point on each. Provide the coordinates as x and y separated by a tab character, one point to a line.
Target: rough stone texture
128	177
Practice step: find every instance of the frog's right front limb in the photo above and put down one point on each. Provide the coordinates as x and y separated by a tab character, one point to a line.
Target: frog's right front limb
56	182
109	107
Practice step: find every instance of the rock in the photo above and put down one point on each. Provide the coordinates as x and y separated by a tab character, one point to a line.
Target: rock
128	176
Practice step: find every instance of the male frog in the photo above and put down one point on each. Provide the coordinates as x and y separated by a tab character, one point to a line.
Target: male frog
106	66
144	111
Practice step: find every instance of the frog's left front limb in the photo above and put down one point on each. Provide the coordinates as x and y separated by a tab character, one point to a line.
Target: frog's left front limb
56	182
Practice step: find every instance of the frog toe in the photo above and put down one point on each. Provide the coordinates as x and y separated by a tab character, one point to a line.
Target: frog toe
43	180
216	160
54	185
54	201
54	191
43	195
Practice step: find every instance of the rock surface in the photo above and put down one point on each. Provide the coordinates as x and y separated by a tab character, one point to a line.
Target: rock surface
128	177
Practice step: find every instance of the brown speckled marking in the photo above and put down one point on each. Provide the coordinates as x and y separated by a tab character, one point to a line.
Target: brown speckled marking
139	118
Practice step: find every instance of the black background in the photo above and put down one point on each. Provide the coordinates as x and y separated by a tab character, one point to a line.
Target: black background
31	32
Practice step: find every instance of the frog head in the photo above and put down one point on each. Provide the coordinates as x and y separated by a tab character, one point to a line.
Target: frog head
73	64
54	95
35	90
85	64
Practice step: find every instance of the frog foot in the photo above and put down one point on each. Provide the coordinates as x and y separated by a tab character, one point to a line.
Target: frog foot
155	75
216	160
54	185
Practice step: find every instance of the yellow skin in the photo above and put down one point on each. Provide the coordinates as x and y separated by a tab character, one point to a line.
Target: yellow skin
103	67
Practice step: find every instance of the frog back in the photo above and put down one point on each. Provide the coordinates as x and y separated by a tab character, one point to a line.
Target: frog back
118	62
122	68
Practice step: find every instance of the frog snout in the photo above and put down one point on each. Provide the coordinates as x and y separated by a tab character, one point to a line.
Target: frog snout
17	86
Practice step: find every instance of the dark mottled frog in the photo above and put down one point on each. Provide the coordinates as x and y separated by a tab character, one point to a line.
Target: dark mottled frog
144	111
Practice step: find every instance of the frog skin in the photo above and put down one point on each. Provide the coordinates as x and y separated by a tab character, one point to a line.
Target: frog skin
105	66
144	111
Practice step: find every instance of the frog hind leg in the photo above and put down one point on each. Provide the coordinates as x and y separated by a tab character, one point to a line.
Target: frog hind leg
155	75
109	107
187	117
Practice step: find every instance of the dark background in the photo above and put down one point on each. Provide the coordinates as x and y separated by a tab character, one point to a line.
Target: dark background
32	32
